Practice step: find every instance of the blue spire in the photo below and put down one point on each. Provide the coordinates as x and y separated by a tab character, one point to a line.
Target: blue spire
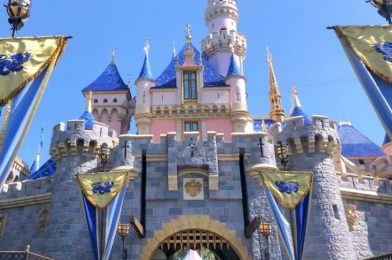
297	109
234	68
146	73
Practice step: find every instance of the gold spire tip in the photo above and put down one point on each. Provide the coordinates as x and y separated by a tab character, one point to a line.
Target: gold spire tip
147	46
113	54
188	33
88	101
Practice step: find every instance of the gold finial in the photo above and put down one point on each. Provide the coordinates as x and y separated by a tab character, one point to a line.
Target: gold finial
263	126
147	46
88	101
188	33
297	103
113	54
231	46
174	49
269	55
129	81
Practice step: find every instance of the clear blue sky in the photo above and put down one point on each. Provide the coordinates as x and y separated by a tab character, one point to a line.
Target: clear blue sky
304	53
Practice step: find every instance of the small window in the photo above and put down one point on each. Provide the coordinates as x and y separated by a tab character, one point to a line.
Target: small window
115	100
191	126
361	162
105	101
190	86
95	101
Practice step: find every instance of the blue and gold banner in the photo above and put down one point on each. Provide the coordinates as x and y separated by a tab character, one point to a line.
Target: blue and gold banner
26	65
369	50
289	194
102	198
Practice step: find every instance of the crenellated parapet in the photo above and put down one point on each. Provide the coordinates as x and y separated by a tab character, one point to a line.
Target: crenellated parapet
72	139
320	136
222	41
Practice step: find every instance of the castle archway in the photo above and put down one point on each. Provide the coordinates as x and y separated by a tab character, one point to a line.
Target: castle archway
195	232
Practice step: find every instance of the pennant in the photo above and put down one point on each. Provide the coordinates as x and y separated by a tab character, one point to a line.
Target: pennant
101	188
288	188
369	49
102	197
288	194
23	60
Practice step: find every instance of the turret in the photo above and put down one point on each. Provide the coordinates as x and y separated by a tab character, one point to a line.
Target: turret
144	83
312	143
276	113
111	100
221	17
236	81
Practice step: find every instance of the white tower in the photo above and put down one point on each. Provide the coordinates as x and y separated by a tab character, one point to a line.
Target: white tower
221	17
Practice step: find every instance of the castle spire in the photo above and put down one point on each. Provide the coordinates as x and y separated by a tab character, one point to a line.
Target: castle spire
145	72
276	113
297	108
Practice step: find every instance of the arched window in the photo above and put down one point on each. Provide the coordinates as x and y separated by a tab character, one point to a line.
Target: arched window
190	86
105	101
95	101
115	100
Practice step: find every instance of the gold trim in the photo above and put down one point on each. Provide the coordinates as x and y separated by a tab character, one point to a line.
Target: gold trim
368	196
202	222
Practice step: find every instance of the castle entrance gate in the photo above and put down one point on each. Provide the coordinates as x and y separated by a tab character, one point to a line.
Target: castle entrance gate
198	233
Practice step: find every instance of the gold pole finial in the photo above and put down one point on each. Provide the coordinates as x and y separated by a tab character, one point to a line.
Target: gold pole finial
263	126
129	81
269	56
147	46
88	101
113	54
297	103
188	33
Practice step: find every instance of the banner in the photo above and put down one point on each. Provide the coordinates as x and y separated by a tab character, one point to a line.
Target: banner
102	195
25	67
289	194
369	49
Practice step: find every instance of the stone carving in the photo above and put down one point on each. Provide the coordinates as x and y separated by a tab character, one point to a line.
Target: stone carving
193	188
43	217
351	215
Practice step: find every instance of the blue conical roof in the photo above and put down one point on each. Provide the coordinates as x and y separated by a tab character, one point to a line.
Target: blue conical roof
356	144
212	78
234	68
89	119
109	80
297	109
146	73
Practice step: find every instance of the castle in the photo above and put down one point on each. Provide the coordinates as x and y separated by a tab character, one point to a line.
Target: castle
194	165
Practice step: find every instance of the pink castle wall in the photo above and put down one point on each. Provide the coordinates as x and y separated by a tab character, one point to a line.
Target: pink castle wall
211	97
164	98
224	126
164	126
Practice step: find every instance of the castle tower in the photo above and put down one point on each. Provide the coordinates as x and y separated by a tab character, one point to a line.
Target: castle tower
312	142
236	81
276	113
221	17
144	83
111	99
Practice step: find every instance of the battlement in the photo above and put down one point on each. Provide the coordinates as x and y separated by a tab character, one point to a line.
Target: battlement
26	188
217	8
72	139
319	136
381	167
221	41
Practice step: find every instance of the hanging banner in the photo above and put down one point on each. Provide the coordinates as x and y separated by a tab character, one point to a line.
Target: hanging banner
369	50
289	195
25	68
102	194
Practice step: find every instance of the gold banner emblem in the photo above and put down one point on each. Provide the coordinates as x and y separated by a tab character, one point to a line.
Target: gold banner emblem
373	46
101	188
289	188
23	59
